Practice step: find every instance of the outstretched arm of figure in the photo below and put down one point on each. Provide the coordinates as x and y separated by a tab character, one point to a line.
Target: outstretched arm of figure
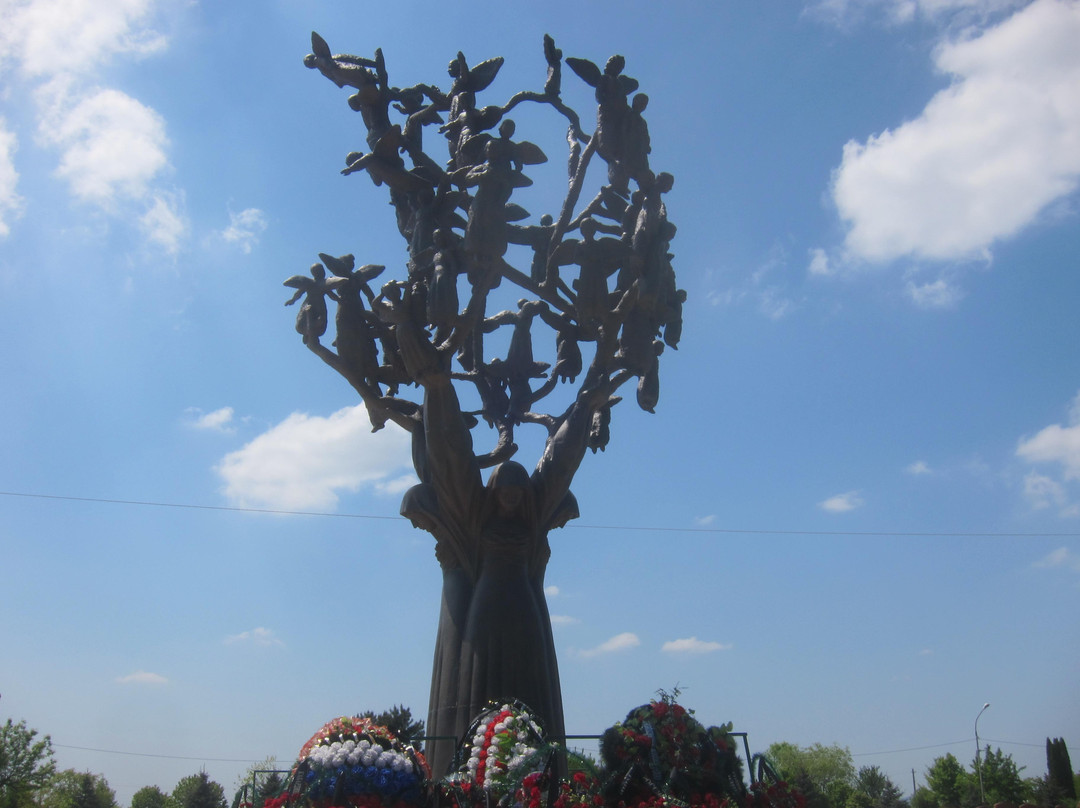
569	435
563	454
452	468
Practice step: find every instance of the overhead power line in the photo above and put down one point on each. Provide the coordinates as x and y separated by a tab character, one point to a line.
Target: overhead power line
640	528
909	749
1014	743
150	755
937	745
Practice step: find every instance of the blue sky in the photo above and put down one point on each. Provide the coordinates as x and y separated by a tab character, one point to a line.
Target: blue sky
854	517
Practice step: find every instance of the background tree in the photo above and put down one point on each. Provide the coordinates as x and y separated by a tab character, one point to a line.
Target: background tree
947	781
399	720
260	782
824	774
1000	777
1059	770
924	798
874	789
26	764
73	789
1042	791
198	791
151	797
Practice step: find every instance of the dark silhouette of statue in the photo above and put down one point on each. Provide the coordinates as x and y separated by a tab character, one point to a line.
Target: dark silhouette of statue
599	278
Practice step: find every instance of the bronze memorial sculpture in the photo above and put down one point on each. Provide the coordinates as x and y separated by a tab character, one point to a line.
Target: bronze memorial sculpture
600	279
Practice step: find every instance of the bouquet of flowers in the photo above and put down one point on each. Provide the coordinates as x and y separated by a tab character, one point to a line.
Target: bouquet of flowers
662	751
355	762
776	794
580	790
500	748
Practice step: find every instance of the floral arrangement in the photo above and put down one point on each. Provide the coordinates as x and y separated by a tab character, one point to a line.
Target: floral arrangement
660	756
580	790
774	795
504	740
356	762
662	750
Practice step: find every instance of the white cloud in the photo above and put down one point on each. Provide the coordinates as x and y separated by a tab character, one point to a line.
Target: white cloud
767	287
620	642
1056	444
63	37
939	294
397	485
551	591
112	146
563	620
774	303
692	645
842	12
926	652
819	263
220	420
257	636
842	503
305	461
726	297
163	222
10	202
987	154
919	467
705	521
245	228
142	678
1061	557
1042	491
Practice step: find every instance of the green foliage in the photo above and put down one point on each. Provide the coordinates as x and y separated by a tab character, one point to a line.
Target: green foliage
947	781
151	797
272	786
924	798
1059	769
824	774
26	765
579	760
1041	791
398	719
1001	780
260	782
874	789
198	791
72	789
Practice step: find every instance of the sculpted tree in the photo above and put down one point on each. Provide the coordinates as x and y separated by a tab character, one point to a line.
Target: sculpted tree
599	279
